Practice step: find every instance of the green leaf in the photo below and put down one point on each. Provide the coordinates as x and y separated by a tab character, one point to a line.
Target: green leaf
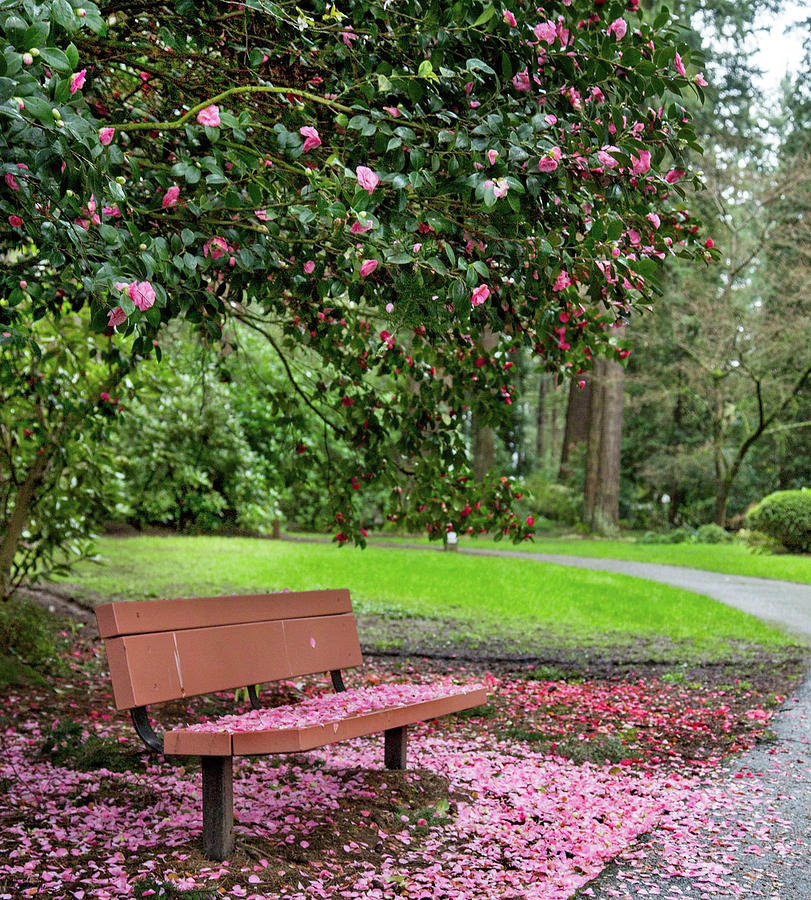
476	65
62	13
486	14
426	71
56	59
36	35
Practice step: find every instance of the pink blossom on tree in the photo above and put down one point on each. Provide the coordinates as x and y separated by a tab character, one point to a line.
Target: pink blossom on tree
311	138
210	116
479	295
142	294
367	179
368	266
170	197
77	81
619	28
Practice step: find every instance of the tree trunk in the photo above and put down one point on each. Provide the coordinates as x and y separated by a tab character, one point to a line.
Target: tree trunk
540	419
16	522
578	419
675	487
721	500
606	516
484	439
594	420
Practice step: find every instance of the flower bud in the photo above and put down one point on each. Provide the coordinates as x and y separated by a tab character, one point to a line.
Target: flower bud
28	59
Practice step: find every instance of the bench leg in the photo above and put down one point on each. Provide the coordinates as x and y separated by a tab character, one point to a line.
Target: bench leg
395	747
218	807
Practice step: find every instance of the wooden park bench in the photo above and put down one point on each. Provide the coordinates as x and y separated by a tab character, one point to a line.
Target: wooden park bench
163	650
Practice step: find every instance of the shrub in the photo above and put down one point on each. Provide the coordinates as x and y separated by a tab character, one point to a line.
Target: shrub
784	516
682	535
710	533
28	633
553	501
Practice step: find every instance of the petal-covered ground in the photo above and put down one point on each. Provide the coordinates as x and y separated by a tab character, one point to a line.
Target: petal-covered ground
529	797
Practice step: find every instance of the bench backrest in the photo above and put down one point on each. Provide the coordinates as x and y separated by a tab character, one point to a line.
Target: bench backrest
169	649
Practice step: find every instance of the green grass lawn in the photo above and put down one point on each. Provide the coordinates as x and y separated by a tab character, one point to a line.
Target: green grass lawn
731	559
489	596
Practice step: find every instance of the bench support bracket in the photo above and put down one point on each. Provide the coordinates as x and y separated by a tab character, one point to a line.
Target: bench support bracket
218	807
396	741
140	719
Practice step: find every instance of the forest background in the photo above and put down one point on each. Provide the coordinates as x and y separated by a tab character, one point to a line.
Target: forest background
708	411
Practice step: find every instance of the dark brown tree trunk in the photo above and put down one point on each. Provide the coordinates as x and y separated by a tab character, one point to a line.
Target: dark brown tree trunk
16	522
675	487
606	516
590	484
540	419
484	439
578	418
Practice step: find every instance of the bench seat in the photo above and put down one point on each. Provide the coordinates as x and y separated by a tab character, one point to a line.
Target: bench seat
322	720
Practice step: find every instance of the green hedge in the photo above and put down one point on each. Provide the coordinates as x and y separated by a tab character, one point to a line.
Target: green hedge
786	517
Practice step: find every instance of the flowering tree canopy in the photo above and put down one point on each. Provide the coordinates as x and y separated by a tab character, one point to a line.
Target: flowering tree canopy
373	185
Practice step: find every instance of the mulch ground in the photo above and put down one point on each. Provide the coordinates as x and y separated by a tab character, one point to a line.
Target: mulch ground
530	796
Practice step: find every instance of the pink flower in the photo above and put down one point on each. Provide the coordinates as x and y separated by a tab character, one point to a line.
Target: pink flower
210	116
619	28
348	36
15	221
680	65
261	214
416	248
521	80
563	281
479	295
170	197
509	18
106	135
142	294
367	179
606	158
654	219
641	164
116	317
492	156
368	266
634	237
11	181
499	186
77	81
361	227
392	111
309	267
112	211
216	248
674	175
311	138
546	31
549	162
700	80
